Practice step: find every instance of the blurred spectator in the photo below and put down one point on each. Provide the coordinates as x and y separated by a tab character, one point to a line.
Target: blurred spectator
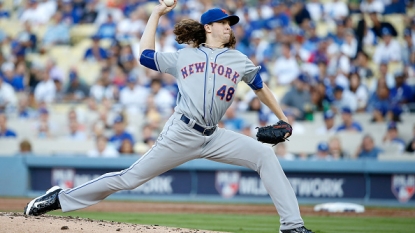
335	148
389	50
24	111
372	6
8	99
4	130
411	144
395	7
348	123
43	130
392	137
382	28
300	14
328	128
362	66
231	119
343	99
54	71
25	147
367	149
57	32
45	127
95	53
163	100
336	10
103	89
279	17
133	96
45	90
384	76
286	68
89	14
102	149
38	13
258	46
311	40
322	153
379	114
298	99
130	27
60	95
27	38
108	29
75	133
316	10
119	133
282	153
77	90
408	46
70	15
402	92
3	12
359	90
349	46
126	147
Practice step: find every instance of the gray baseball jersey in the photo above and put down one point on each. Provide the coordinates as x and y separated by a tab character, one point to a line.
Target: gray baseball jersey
207	80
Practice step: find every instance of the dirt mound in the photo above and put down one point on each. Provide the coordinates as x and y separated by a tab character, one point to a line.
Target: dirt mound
17	222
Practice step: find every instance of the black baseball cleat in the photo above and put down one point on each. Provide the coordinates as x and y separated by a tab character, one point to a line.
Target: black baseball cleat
44	203
297	230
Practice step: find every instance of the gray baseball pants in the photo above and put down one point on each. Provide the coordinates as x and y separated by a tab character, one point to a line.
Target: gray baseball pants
179	143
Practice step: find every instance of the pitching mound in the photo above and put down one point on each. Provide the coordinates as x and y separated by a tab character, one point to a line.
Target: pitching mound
17	222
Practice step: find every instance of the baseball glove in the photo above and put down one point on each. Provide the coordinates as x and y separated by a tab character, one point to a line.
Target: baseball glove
274	134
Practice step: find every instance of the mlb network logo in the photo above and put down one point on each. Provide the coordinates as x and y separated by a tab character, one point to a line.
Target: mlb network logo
403	187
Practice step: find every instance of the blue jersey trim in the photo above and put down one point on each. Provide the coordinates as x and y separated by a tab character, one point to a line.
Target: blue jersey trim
147	59
256	83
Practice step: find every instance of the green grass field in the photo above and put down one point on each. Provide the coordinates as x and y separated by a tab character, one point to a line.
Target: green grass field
257	223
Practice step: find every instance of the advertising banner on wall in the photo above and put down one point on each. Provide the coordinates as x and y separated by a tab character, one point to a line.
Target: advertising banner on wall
230	184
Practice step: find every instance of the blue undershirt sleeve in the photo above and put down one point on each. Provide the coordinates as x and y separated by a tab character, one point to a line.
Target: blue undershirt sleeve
147	59
256	83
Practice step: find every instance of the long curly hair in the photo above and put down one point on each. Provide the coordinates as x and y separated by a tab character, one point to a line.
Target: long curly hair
191	32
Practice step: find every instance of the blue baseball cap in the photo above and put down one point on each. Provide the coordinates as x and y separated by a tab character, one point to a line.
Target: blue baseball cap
392	125
346	110
386	31
217	14
118	119
407	32
303	78
131	79
323	146
43	111
338	88
328	115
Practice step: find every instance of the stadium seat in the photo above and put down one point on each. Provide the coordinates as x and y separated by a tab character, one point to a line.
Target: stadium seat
9	146
11	27
89	71
350	141
61	146
250	118
305	143
82	31
362	118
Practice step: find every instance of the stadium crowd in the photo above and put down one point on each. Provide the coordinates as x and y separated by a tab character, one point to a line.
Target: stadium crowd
333	57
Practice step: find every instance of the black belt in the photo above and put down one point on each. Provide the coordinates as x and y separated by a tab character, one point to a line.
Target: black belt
204	131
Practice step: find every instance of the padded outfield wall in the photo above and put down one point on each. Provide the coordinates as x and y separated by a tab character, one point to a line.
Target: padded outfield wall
367	182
